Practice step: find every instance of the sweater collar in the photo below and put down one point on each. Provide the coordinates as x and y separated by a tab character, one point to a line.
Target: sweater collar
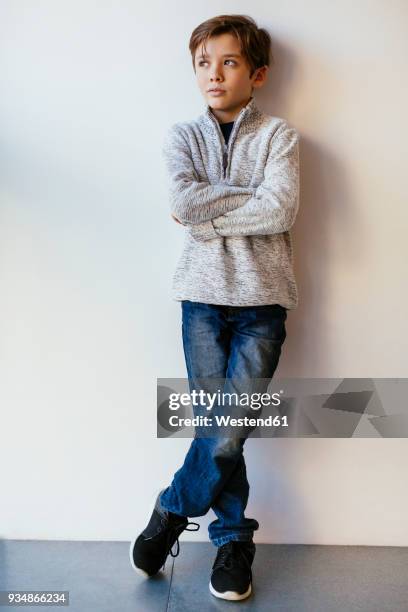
248	114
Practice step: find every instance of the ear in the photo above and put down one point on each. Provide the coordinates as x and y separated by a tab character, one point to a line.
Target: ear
260	76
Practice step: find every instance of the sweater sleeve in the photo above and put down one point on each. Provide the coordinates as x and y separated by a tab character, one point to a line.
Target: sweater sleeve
274	206
193	201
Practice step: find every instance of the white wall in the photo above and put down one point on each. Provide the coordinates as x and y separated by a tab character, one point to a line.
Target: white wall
88	249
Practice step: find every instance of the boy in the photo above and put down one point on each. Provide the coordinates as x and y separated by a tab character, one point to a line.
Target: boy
234	185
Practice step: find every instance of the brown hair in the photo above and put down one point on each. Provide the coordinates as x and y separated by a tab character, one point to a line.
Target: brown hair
255	42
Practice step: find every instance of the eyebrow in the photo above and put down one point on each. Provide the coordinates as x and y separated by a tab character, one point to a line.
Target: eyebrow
225	55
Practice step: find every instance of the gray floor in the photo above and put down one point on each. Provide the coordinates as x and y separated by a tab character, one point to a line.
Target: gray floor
288	578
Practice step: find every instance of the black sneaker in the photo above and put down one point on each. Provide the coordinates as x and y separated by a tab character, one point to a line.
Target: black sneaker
231	576
149	551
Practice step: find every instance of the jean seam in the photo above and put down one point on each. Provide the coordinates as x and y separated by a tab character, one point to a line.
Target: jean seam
240	537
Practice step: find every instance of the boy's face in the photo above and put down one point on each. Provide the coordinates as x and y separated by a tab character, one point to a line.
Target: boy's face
226	68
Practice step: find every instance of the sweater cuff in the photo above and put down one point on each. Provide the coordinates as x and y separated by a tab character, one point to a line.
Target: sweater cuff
203	231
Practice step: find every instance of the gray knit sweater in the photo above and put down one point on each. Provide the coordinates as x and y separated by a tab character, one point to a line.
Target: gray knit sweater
238	203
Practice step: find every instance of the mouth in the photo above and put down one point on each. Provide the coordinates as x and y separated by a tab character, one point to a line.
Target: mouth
216	92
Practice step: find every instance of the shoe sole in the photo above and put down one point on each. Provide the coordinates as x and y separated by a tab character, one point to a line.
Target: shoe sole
137	569
230	595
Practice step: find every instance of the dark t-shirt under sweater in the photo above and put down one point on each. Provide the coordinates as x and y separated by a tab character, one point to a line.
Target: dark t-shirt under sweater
226	129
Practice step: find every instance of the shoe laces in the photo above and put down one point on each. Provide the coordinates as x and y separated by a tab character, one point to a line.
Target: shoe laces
175	529
231	555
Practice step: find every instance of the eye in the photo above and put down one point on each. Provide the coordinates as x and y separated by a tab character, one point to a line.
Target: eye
205	62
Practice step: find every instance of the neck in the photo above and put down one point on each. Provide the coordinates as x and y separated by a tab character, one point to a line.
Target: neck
230	114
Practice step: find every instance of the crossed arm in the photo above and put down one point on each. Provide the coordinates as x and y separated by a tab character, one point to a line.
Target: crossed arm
193	201
211	211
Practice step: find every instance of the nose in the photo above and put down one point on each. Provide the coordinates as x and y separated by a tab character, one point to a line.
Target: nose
216	74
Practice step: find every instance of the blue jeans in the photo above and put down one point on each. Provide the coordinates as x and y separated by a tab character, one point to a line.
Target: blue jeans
234	343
